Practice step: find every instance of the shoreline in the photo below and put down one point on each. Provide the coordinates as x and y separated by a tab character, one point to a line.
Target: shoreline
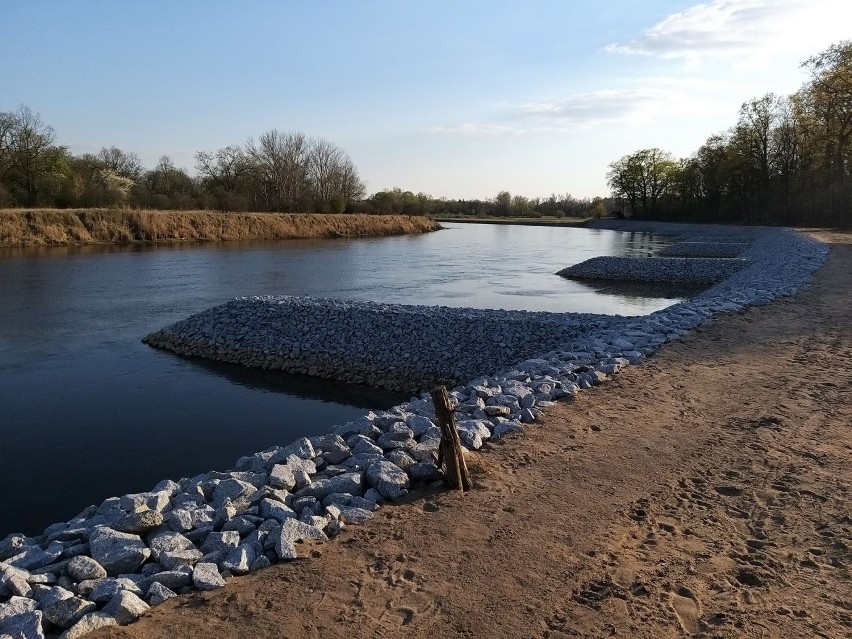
512	401
568	222
702	494
20	228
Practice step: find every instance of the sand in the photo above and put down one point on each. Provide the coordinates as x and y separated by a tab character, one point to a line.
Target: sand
704	494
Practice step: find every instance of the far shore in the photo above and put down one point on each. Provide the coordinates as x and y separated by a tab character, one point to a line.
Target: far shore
63	227
519	221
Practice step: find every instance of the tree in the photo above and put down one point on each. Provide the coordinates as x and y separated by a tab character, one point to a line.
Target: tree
598	209
642	178
503	203
166	186
225	173
121	163
827	100
8	122
32	155
279	164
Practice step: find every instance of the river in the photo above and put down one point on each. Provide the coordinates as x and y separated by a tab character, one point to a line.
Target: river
87	411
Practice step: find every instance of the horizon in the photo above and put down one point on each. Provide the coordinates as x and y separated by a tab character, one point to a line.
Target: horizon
454	101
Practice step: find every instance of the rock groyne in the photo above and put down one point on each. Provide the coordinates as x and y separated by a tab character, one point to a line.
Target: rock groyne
393	346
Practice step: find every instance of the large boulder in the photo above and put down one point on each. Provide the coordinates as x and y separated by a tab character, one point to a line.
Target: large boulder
16	606
388	479
118	552
292	531
106	589
66	612
87	624
158	593
139	523
81	568
27	625
351	483
125	607
206	577
221	541
169	542
273	509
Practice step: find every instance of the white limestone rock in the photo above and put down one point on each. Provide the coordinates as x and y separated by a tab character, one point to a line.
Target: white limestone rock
169	541
27	625
158	593
16	606
104	590
351	483
206	577
117	552
292	531
221	541
387	478
172	560
139	523
125	607
87	624
67	612
81	568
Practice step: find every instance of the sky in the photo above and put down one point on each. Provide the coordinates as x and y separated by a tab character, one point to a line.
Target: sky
455	98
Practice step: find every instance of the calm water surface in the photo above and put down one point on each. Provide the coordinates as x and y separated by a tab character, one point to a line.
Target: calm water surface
87	411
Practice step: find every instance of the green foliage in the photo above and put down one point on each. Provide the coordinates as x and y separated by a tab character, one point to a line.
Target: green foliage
598	209
285	172
785	161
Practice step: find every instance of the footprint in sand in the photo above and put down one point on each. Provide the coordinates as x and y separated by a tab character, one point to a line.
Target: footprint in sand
686	609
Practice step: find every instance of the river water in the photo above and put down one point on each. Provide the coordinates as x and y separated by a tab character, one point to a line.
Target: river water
87	411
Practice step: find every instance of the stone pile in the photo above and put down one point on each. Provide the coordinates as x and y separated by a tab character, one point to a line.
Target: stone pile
703	249
110	563
392	346
677	270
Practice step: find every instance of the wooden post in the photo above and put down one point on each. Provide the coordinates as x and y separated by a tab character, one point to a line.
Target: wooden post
450	452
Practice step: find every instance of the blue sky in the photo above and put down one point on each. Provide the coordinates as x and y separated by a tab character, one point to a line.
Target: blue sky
457	99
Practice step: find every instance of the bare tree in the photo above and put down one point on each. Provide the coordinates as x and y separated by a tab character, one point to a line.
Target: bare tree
7	127
279	161
122	163
324	161
32	152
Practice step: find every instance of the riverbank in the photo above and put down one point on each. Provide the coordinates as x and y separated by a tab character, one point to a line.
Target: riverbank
55	227
518	221
235	522
705	492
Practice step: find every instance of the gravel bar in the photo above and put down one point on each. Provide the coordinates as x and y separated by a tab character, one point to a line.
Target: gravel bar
703	249
677	270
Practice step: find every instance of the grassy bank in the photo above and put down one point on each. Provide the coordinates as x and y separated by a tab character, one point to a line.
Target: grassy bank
53	227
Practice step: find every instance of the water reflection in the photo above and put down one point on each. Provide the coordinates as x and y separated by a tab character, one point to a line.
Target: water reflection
87	411
626	290
301	386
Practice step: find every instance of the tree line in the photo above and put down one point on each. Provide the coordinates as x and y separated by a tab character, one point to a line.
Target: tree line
280	171
504	204
787	160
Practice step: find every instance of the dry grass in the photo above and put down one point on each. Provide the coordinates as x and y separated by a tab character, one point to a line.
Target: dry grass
46	227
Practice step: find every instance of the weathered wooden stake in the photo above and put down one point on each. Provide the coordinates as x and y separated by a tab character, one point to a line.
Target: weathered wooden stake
450	452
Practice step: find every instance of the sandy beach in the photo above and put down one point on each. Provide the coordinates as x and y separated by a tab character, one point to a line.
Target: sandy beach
706	494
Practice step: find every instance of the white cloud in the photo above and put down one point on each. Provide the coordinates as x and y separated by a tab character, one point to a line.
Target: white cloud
647	100
478	128
743	29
